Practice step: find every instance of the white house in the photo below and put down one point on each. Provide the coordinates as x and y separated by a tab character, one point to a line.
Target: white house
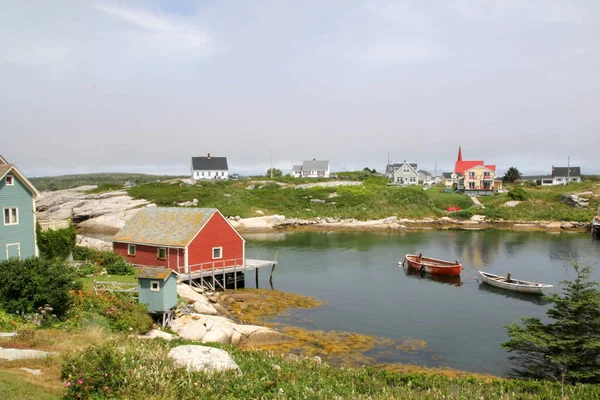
450	178
210	167
406	174
560	176
424	176
312	169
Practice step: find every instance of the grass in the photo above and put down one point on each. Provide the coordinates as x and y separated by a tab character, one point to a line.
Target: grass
20	385
88	282
110	178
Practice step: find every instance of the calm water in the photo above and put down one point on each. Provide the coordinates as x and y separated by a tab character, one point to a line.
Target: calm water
358	276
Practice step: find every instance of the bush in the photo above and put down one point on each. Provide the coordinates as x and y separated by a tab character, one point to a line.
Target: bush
518	193
464	214
119	312
26	285
56	243
112	262
88	269
83	253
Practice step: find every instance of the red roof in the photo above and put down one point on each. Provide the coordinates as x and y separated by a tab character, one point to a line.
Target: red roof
461	166
492	167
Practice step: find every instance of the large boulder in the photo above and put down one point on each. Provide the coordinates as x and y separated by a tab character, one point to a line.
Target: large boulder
200	303
202	358
20	354
93	243
574	201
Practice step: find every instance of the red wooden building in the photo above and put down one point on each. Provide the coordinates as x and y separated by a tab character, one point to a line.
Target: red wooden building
183	239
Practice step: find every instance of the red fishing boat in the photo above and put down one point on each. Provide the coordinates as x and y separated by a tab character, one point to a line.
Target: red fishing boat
432	265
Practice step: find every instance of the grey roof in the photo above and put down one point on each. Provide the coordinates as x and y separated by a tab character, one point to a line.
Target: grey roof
297	168
209	163
422	171
315	165
447	174
164	226
562	171
414	165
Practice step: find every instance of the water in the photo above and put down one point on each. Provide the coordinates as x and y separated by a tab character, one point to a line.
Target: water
366	291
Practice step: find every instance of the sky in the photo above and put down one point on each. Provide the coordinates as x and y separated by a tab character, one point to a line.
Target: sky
142	86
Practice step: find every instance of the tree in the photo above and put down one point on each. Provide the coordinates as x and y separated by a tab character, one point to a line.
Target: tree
276	173
566	350
511	175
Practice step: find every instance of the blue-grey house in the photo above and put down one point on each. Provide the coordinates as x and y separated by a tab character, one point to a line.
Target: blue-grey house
157	289
17	201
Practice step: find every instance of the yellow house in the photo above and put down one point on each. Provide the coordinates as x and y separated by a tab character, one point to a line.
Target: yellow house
479	180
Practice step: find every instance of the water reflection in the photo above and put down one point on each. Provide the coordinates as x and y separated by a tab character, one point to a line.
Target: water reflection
477	248
532	298
446	279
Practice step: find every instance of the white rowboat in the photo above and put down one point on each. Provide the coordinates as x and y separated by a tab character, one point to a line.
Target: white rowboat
514	285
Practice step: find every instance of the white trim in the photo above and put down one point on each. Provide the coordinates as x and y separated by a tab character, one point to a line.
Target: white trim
158	253
36	251
18	249
10	215
3	160
157	289
186	264
129	253
16	171
12	180
220	253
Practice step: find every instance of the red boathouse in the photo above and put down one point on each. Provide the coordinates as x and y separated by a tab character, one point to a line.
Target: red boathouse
187	240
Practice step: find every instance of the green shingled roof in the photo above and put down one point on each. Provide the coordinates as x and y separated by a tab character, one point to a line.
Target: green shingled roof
164	226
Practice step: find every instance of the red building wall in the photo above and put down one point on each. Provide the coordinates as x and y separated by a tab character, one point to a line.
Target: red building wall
216	233
147	256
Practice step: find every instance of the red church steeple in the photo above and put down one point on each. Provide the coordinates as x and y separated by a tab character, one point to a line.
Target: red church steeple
459	154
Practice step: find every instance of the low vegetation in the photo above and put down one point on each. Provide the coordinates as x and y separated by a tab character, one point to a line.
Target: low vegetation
57	243
117	180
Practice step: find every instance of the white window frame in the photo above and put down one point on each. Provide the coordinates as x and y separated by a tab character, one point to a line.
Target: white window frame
158	249
129	252
153	288
11	178
220	253
10	216
406	170
18	249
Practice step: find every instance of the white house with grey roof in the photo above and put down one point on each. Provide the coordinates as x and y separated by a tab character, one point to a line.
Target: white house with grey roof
312	169
405	174
560	176
210	167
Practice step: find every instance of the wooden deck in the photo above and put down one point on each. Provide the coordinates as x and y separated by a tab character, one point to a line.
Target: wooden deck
214	272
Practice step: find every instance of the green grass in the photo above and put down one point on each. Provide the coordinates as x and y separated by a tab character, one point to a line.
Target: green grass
111	178
444	200
16	386
88	283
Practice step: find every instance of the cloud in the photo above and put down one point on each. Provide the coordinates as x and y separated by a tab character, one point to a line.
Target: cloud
389	52
166	32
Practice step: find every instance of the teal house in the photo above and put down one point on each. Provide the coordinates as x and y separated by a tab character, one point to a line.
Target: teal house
157	289
17	203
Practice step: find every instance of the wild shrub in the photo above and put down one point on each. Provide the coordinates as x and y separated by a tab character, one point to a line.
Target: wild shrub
26	285
57	243
464	214
120	312
518	193
88	269
112	262
83	253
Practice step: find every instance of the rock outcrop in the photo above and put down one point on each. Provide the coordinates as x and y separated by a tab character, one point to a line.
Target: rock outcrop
101	213
200	303
93	243
202	358
206	328
575	200
20	354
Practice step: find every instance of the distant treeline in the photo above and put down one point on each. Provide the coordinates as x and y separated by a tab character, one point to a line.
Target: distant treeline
71	181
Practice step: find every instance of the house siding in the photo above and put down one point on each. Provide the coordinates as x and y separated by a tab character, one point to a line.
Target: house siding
147	256
219	174
163	300
17	195
404	178
475	181
216	233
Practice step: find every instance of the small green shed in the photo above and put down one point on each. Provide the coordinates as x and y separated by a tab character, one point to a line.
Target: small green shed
157	289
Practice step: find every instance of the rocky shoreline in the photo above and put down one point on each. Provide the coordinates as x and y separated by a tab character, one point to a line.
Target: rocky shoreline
106	213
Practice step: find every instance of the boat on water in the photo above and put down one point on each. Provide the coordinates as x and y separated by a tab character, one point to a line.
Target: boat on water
596	224
433	265
454	280
515	285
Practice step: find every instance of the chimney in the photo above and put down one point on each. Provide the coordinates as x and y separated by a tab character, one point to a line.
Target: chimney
208	156
314	159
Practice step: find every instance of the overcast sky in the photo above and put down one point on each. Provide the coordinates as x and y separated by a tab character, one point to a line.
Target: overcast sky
144	86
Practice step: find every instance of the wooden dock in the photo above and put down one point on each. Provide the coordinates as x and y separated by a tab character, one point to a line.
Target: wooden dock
210	274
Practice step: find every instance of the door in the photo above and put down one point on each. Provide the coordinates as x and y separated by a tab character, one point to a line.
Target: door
13	250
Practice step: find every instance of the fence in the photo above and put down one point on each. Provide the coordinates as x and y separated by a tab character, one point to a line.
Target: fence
52	225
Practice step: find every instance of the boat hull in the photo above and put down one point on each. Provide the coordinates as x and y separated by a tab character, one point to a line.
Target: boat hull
433	266
516	286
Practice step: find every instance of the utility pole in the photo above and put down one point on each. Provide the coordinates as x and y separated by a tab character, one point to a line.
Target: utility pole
435	170
271	164
568	169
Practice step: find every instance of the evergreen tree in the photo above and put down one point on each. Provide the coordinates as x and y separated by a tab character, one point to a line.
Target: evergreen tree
511	175
566	350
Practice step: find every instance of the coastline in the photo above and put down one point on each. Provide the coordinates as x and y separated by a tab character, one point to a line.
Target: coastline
273	223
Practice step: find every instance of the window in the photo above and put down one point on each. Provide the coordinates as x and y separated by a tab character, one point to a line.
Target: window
412	179
161	253
471	185
222	173
472	175
10	180
11	216
217	252
154	286
559	179
406	170
131	250
202	173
